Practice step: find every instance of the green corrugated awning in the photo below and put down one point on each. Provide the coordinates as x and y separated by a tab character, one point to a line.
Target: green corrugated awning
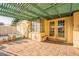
37	10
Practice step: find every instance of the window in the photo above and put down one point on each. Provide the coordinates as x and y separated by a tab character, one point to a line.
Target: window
38	26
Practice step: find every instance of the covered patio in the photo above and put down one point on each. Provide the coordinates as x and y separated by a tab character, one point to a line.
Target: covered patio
44	29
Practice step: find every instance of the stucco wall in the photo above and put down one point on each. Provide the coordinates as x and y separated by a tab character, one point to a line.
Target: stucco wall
76	30
69	29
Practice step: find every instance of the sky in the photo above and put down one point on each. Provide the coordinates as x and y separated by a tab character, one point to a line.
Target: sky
6	20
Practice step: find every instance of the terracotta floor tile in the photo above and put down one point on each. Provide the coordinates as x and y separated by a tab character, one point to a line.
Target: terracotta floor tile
41	49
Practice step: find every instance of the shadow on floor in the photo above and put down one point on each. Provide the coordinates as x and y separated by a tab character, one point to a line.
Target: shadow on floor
61	42
2	47
3	54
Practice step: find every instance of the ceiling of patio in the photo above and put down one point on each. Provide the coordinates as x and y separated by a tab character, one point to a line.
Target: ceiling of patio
35	11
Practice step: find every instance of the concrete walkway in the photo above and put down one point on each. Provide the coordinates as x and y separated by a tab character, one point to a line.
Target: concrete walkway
34	48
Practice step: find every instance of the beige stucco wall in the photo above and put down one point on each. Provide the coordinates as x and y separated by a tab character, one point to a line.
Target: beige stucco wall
46	30
76	30
69	29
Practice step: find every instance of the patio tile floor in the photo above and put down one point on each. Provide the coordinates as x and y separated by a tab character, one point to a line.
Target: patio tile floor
34	48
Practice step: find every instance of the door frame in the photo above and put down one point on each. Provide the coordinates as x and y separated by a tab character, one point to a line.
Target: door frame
60	38
56	28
